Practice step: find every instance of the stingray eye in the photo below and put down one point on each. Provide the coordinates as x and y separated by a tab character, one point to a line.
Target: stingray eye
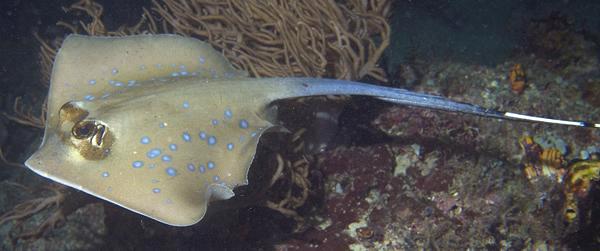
92	138
84	129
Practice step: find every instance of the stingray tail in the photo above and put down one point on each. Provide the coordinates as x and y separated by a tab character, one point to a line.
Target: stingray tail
313	86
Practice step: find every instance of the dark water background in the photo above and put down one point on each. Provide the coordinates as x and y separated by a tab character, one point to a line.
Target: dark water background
473	31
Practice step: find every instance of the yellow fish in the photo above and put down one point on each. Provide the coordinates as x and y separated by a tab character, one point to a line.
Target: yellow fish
162	124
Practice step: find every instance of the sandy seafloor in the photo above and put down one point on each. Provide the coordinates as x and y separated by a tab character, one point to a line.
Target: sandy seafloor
391	177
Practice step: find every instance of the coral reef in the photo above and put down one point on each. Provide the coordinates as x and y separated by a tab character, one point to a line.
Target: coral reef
559	47
265	38
549	159
443	199
575	179
279	38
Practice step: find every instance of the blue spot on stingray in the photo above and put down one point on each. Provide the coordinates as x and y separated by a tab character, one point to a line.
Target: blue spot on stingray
171	171
253	134
145	140
191	167
89	97
183	73
214	122
105	174
186	104
156	190
230	146
173	147
106	94
244	124
114	71
228	114
216	178
111	82
210	165
212	140
153	153
202	60
131	83
186	137
92	82
118	84
175	74
202	168
162	125
202	135
182	67
137	164
166	158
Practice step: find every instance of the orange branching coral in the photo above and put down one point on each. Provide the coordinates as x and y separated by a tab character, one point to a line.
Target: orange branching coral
25	116
94	27
6	162
289	38
272	38
46	55
21	212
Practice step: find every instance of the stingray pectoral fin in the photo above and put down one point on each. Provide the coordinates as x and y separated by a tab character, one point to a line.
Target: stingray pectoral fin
158	124
187	207
168	172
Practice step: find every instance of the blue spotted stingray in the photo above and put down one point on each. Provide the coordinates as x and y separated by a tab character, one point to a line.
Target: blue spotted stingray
162	124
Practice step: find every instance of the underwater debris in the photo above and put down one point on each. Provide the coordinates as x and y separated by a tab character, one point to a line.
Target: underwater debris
517	79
